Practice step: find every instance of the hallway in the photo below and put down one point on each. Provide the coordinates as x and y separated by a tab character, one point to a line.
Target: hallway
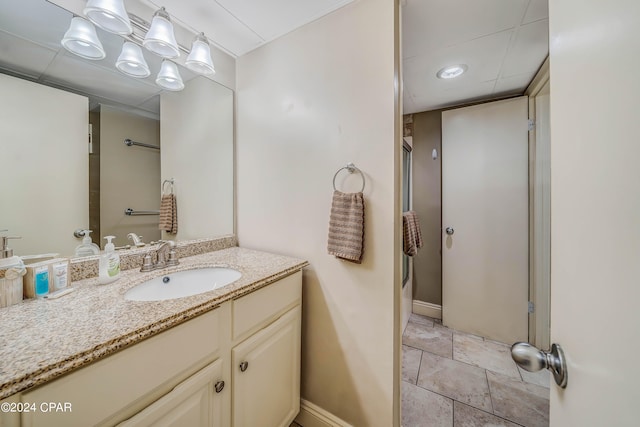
451	378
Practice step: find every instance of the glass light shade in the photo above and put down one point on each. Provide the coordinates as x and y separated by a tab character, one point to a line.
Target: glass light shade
110	15
131	61
160	38
81	39
199	59
169	77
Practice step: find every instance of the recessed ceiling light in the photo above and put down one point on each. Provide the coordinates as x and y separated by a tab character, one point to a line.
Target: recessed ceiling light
452	71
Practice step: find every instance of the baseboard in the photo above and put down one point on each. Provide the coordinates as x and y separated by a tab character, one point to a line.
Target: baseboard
427	309
314	416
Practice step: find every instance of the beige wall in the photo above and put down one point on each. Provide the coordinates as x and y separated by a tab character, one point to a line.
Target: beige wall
197	152
307	104
129	176
427	202
45	173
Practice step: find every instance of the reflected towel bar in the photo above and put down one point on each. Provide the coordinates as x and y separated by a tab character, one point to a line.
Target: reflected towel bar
128	142
131	212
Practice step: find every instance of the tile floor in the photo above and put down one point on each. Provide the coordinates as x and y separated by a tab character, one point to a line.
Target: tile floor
454	379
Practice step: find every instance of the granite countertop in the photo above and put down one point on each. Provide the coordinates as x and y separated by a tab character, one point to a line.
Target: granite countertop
43	339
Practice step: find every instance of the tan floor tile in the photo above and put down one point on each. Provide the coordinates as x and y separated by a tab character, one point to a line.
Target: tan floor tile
421	320
457	380
541	378
410	363
522	403
434	340
489	355
422	408
466	416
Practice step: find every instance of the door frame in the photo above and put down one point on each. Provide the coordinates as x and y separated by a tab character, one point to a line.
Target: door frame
539	226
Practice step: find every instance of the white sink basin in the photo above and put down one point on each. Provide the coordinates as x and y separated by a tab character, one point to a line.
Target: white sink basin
182	284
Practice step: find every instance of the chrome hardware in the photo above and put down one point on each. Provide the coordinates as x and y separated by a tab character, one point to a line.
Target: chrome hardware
532	359
449	230
166	256
244	366
132	212
5	251
137	240
166	279
219	386
79	233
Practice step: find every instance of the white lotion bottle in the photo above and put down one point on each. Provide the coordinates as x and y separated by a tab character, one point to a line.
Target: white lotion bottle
109	263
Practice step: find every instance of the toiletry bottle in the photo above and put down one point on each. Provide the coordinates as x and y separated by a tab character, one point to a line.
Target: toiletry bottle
41	284
60	275
87	248
109	263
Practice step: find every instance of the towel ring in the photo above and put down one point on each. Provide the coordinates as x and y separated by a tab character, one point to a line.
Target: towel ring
164	183
351	168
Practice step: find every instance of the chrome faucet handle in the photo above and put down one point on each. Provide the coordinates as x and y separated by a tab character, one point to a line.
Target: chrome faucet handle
173	258
147	263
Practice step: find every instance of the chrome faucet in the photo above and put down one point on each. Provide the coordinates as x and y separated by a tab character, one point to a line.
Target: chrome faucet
137	240
166	256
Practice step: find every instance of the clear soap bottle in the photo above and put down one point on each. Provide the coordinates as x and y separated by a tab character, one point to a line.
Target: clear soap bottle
109	270
87	248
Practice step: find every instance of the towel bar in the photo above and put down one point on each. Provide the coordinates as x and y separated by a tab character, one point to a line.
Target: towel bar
351	168
131	212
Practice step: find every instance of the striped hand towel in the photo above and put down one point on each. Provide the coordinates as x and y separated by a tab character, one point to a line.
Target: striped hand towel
346	226
168	214
411	232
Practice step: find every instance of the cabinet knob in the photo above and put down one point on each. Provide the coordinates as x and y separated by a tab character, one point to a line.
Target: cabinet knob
244	366
219	386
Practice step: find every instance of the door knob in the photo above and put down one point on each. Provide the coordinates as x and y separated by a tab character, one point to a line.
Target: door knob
532	359
449	230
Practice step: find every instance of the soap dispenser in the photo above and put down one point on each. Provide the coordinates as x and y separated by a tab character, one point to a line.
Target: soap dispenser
87	248
109	263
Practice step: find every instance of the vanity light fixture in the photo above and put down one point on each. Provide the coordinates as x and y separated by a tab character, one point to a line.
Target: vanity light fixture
160	38
110	15
452	71
81	39
199	60
169	76
131	61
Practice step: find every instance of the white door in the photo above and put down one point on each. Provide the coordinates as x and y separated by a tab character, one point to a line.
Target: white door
595	210
45	166
485	203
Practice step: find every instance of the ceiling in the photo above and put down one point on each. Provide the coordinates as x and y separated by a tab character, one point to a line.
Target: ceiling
31	31
503	43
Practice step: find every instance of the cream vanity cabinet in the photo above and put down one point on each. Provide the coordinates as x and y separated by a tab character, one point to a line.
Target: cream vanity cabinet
237	365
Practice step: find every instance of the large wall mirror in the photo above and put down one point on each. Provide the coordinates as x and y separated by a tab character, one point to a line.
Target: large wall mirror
57	179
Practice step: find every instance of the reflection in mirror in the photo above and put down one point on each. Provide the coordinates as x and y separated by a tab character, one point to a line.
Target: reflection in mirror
55	182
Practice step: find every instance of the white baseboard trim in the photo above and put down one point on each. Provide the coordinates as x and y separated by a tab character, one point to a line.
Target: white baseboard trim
314	416
427	309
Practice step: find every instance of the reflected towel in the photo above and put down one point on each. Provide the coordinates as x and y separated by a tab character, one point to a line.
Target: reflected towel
346	226
412	235
168	214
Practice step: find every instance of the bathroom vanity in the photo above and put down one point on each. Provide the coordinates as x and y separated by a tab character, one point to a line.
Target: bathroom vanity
228	357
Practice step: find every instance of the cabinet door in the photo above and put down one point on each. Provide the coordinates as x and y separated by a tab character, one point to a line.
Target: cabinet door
194	402
266	375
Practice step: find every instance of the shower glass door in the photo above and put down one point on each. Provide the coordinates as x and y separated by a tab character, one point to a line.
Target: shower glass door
406	201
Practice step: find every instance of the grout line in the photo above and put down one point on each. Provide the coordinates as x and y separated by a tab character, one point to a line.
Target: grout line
490	394
419	367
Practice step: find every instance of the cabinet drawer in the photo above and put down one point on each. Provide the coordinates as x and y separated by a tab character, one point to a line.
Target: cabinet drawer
111	385
254	311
